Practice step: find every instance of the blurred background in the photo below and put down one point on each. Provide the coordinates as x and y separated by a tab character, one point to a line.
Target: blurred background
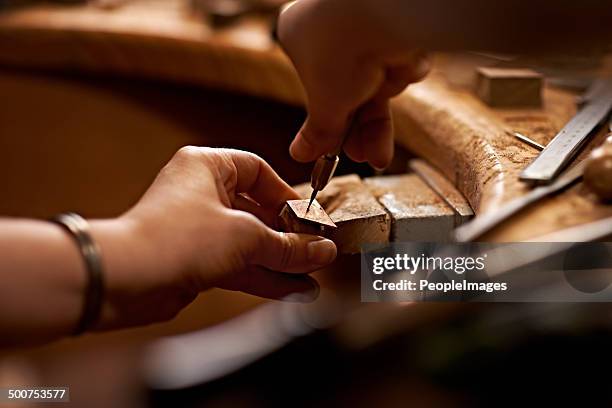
96	96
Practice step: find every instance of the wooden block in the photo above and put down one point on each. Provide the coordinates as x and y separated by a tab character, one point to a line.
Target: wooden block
444	188
509	87
358	215
417	212
295	218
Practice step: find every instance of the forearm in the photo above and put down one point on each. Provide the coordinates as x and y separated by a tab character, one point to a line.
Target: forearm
44	278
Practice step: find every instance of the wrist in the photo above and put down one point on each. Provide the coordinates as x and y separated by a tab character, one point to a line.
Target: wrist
134	272
113	239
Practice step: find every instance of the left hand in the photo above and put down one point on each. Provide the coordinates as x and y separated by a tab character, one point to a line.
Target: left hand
207	221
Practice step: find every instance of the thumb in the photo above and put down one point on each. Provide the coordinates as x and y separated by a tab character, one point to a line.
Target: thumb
321	133
291	253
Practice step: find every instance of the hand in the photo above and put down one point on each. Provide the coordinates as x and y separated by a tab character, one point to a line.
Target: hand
349	71
207	221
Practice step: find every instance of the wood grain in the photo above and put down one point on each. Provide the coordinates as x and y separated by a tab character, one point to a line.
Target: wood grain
355	211
469	143
443	187
297	217
417	212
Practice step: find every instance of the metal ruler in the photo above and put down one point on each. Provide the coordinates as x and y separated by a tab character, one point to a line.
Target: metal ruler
568	141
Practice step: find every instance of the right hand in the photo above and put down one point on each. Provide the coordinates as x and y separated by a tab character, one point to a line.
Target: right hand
349	73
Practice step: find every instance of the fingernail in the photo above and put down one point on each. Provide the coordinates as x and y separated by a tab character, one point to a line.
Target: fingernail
304	297
321	252
375	167
311	295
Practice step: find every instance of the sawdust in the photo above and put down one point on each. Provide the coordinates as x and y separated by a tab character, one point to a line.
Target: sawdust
469	143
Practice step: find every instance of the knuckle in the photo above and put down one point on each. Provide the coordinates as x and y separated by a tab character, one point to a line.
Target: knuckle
253	156
191	160
222	160
188	152
229	154
218	161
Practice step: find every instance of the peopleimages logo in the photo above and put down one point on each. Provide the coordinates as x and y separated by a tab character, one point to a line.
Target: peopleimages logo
487	272
457	265
412	264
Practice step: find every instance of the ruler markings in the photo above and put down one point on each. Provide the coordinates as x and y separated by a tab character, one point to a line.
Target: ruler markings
568	141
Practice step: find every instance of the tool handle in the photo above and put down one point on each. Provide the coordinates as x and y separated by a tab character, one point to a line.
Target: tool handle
323	171
325	166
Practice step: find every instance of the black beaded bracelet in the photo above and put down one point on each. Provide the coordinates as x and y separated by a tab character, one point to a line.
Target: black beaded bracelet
94	292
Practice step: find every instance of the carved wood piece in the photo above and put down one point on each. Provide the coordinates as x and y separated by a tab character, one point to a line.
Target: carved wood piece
295	218
358	215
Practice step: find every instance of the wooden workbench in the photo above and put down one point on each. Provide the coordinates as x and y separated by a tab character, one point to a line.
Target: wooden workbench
442	122
72	82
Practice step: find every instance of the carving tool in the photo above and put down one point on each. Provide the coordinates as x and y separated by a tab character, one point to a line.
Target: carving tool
593	231
568	141
527	140
485	223
323	171
326	165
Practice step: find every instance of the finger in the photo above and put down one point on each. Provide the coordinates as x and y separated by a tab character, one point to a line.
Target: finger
274	285
266	215
295	253
402	73
372	139
281	252
396	80
376	131
322	132
354	146
285	252
255	177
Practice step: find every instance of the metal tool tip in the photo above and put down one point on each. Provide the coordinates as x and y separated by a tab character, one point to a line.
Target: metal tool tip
312	198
